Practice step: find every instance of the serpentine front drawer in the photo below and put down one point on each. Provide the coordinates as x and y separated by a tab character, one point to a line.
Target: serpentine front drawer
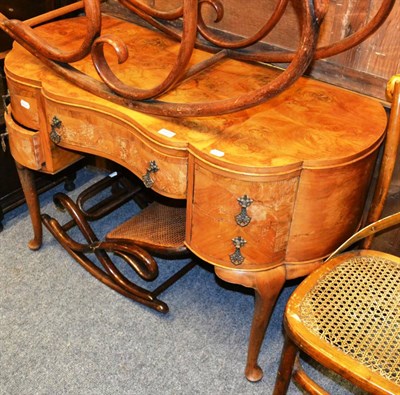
161	168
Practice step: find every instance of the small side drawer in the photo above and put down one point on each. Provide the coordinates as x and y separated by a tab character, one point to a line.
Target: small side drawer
24	144
24	104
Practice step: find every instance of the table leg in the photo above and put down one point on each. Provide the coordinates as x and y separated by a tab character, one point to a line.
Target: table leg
26	177
267	286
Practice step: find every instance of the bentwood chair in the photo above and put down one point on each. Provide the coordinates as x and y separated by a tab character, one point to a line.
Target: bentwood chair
346	316
158	229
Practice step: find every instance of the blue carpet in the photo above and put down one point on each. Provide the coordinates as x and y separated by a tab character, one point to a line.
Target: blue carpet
63	332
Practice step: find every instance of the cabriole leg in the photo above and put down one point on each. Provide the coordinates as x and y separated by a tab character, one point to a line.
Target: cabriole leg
267	286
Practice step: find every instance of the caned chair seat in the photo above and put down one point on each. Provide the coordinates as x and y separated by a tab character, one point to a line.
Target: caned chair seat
346	316
158	228
352	312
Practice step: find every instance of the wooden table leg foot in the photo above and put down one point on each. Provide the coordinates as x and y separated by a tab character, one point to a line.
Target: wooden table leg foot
253	373
267	286
27	180
34	244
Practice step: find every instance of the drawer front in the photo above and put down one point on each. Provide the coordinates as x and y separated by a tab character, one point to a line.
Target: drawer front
24	103
85	130
249	234
24	145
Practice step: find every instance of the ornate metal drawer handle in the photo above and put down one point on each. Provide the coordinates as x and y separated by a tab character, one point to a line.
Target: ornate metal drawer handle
55	125
243	219
147	180
237	258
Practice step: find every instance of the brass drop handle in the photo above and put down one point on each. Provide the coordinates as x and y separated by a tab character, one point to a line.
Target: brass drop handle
55	125
243	219
237	258
147	180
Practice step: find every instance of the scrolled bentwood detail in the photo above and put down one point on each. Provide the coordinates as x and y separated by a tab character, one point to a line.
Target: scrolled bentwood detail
189	22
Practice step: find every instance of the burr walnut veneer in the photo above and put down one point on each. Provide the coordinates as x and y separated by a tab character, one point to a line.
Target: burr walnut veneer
270	191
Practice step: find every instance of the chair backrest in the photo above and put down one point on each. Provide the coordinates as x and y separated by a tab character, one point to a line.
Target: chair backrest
369	230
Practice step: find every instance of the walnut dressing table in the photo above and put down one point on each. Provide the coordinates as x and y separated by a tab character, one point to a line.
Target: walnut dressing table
270	190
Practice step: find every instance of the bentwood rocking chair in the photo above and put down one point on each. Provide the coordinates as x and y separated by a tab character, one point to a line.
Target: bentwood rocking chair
158	229
346	316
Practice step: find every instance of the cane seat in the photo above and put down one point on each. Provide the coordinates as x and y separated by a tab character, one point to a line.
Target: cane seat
158	228
346	316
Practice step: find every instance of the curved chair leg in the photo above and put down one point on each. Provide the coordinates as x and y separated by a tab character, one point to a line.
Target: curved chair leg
132	291
150	269
135	293
138	259
122	190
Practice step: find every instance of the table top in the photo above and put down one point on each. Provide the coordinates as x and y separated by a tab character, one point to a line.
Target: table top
313	124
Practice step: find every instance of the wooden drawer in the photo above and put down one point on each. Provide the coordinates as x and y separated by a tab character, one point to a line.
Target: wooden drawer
24	144
104	135
27	111
24	101
214	207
